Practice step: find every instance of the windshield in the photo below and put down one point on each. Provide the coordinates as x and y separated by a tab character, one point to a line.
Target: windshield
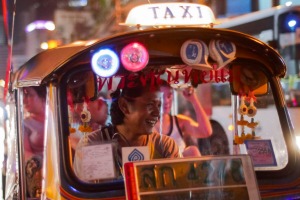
111	117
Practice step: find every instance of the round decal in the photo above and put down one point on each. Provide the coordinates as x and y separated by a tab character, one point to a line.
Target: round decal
195	54
222	51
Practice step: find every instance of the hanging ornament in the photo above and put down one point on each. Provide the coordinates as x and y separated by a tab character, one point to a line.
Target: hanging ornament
243	109
249	136
242	122
85	117
72	130
249	111
252	124
251	108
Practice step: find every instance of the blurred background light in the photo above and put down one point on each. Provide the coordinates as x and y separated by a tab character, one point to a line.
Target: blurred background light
40	24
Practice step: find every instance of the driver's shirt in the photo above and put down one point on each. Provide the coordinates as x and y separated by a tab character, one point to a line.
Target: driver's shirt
161	146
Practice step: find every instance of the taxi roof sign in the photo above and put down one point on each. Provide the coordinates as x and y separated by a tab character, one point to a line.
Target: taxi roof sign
170	14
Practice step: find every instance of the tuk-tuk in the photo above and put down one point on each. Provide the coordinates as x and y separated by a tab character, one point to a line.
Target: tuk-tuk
251	154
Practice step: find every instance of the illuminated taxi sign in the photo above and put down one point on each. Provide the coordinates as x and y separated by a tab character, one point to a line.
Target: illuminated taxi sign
170	14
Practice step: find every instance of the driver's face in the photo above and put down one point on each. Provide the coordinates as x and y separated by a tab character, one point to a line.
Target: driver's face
144	112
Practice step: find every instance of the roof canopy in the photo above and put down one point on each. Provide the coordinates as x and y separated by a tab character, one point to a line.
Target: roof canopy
163	46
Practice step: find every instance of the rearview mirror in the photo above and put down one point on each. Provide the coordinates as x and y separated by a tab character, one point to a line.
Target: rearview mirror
245	79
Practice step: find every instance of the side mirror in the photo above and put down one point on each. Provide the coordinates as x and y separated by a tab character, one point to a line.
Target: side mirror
245	79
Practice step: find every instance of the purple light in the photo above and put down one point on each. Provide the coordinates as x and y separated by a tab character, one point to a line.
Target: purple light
40	24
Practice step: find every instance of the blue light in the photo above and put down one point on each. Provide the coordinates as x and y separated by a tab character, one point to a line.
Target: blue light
105	63
292	23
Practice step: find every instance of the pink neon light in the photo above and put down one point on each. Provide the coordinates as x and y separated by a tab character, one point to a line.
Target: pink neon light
134	57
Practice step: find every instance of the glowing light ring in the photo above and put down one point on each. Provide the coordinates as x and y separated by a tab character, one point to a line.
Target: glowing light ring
134	57
105	63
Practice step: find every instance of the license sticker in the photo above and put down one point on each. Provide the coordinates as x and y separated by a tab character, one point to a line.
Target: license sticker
97	162
262	152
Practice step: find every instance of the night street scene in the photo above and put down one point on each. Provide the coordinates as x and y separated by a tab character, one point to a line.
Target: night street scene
150	100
